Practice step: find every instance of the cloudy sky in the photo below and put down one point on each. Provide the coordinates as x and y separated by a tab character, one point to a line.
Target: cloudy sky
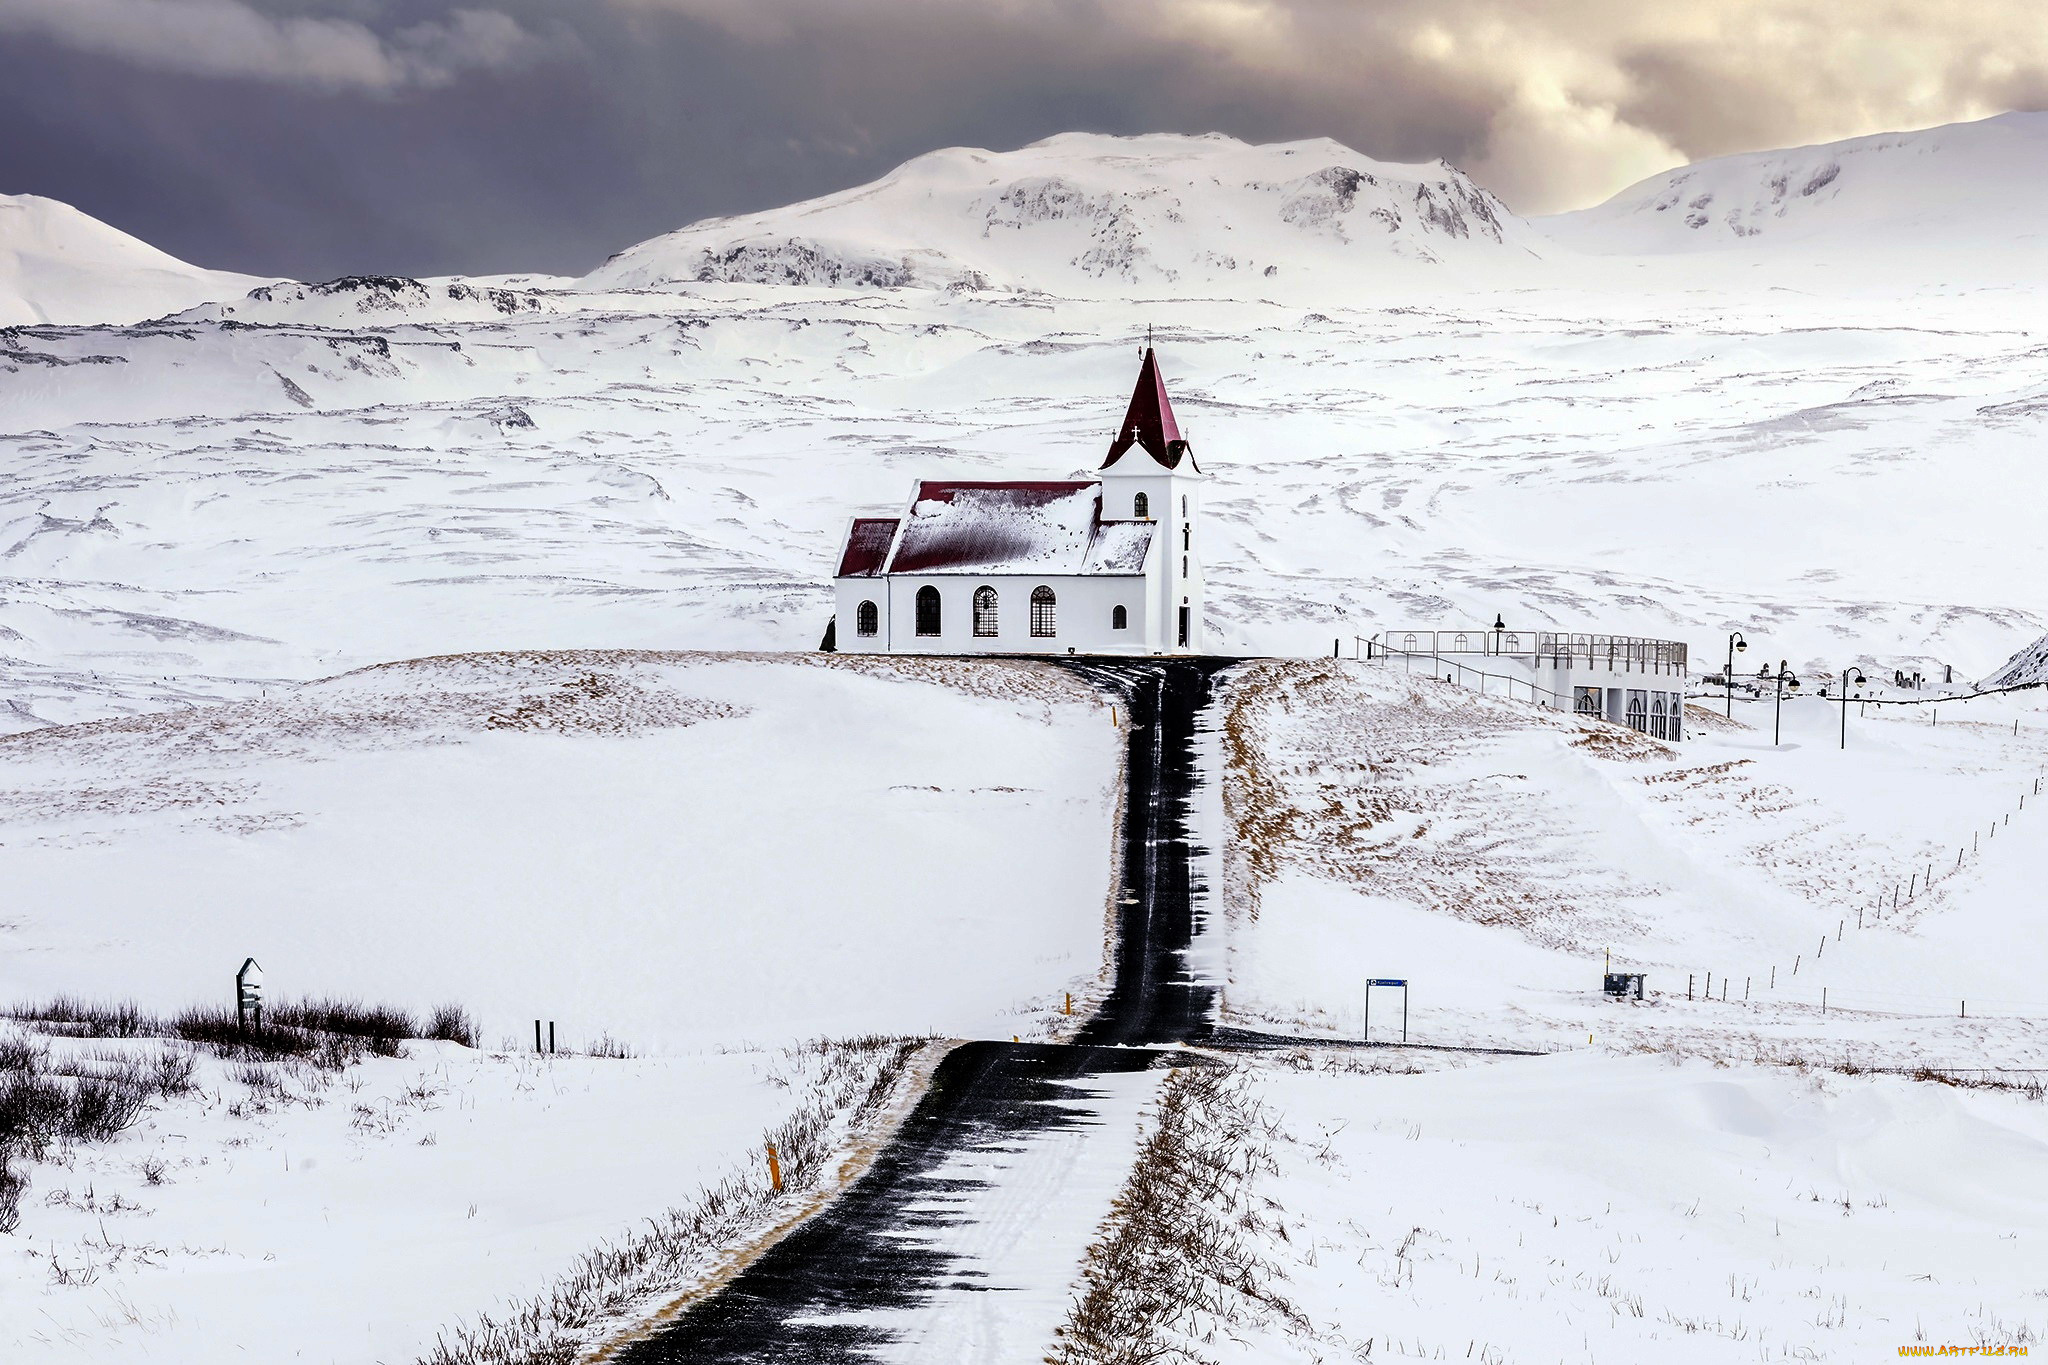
322	137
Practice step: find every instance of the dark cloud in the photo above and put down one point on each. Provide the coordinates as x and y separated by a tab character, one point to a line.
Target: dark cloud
319	137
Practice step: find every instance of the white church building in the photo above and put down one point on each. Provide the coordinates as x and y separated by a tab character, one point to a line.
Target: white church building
1109	565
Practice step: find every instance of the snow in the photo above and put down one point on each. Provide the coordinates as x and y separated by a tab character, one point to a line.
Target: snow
1959	189
359	1219
2027	666
698	856
1090	213
60	266
1620	1209
996	528
682	852
1814	417
1498	857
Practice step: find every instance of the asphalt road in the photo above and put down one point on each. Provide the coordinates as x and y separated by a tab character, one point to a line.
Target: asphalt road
802	1300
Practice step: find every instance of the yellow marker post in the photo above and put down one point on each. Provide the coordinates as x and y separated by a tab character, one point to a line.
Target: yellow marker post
774	1169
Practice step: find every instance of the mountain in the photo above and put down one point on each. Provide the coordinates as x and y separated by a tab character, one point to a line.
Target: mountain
1962	186
1086	213
58	265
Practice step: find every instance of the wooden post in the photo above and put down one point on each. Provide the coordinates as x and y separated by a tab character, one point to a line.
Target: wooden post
536	1036
774	1169
1688	985
551	1037
1745	990
1070	1004
1823	999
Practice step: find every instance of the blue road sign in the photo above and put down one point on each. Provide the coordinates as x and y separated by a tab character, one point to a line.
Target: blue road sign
1385	981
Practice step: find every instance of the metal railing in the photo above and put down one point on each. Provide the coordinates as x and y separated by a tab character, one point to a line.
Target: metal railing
1560	649
1450	670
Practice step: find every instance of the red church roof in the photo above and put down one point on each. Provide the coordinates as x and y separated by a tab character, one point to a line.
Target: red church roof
867	547
1149	422
998	527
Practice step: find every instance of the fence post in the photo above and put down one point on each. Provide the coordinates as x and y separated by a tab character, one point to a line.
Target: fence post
1823	1000
1745	990
536	1036
1688	985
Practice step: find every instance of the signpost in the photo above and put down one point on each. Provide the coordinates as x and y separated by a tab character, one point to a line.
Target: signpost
249	997
1402	982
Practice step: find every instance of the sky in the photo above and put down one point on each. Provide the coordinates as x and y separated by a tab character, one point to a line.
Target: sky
316	138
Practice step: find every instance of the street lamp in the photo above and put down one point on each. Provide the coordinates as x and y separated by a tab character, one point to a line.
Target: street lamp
1784	679
1858	680
1735	642
1499	624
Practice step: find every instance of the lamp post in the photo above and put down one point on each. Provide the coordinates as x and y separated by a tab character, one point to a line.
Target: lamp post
1735	642
1859	680
1784	678
1499	624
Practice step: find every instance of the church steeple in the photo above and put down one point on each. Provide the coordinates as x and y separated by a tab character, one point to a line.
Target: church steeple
1149	422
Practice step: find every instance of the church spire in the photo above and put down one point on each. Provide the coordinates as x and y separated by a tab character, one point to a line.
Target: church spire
1149	421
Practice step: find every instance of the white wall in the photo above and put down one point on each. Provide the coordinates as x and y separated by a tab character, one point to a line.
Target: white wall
1081	616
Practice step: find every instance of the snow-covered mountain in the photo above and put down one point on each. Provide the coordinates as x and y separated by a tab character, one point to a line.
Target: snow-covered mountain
1961	186
2027	667
1084	213
58	265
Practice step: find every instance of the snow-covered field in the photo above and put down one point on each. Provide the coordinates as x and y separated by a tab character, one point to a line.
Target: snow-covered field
1499	857
703	858
1600	1208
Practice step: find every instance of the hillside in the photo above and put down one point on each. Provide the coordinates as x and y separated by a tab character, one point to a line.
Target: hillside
1936	190
1086	213
61	266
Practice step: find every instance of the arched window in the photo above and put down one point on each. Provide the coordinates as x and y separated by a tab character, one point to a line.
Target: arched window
985	611
1183	506
1187	537
1657	722
1586	701
927	610
1119	619
867	619
1141	506
1514	644
1638	713
1459	643
1042	603
1408	642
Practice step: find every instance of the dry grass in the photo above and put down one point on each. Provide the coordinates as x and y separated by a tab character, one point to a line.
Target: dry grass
1180	1251
1350	774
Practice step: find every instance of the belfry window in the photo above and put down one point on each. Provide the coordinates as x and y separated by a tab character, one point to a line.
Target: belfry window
1141	506
1042	604
1119	619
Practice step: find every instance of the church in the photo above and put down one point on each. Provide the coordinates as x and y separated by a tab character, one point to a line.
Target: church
1109	565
